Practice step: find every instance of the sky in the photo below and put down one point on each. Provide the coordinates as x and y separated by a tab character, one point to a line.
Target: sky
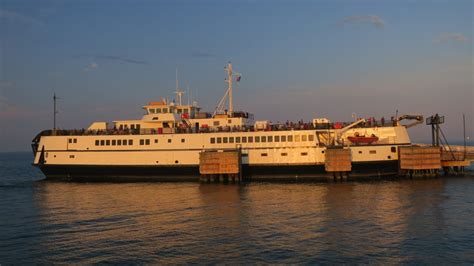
298	59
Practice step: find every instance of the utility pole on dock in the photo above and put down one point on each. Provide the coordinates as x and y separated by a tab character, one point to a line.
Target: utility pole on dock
54	113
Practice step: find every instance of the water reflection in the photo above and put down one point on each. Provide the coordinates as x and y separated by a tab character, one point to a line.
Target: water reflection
383	222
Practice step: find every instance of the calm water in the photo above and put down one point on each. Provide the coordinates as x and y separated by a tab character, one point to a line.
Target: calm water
423	221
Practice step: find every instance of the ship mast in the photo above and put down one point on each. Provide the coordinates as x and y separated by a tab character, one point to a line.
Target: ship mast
179	94
229	90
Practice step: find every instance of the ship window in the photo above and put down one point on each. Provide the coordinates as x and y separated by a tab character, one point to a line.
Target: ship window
237	139
264	154
373	152
114	142
182	140
179	110
124	142
304	153
102	142
72	156
137	126
147	142
311	137
284	154
165	110
213	140
257	139
244	139
270	138
119	142
97	142
225	140
290	138
304	138
250	139
283	138
152	111
75	140
277	138
132	126
121	127
156	140
70	140
219	140
264	139
389	157
231	139
297	138
169	140
360	152
107	142
393	149
142	142
130	142
229	121
216	123
245	155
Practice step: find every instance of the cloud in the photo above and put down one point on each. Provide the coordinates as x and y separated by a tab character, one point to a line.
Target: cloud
451	36
20	18
372	19
201	54
98	57
91	66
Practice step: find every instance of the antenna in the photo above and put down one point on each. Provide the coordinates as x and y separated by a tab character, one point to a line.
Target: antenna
178	93
187	87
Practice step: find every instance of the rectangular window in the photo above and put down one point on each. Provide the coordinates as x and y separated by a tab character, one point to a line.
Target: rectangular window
107	142
283	138
182	140
114	142
124	142
277	138
373	152
219	140
257	139
264	139
152	111
213	140
297	138
284	154
393	149
290	138
119	142
130	142
270	138
165	110
142	142
75	140
97	142
147	142
71	156
264	154
132	126
169	140
231	139
225	140
304	138
304	153
156	140
250	139
237	139
311	137
216	123
244	139
69	140
158	110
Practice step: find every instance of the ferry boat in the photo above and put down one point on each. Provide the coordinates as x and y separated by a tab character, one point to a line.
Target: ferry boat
166	143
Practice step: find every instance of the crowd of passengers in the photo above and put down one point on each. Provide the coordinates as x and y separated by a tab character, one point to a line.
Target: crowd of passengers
300	125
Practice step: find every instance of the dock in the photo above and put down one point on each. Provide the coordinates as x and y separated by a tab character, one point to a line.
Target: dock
223	166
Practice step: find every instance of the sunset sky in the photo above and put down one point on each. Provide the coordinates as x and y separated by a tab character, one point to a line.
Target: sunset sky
298	59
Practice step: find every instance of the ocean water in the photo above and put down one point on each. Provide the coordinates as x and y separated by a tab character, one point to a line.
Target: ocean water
428	221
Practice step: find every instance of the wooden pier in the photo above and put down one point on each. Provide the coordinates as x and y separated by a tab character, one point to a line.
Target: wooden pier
417	161
338	161
222	166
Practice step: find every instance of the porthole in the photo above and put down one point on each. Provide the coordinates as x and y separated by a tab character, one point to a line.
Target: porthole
360	152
